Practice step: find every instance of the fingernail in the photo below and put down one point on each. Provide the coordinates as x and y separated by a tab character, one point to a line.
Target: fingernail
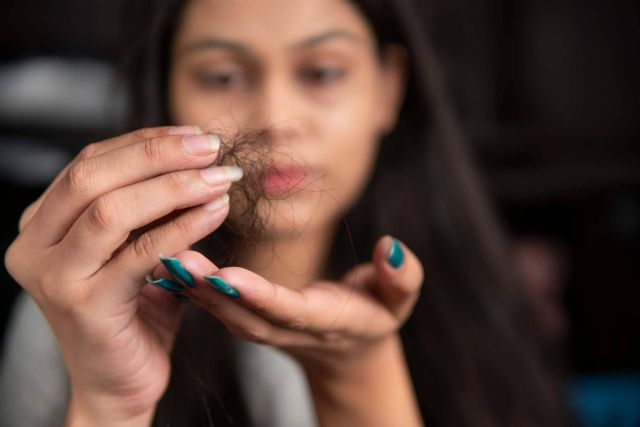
396	255
218	203
178	271
219	174
185	130
164	284
201	144
182	299
221	286
234	173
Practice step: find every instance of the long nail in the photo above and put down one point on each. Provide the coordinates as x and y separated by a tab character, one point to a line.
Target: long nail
185	130
200	144
221	286
396	254
215	175
218	203
164	284
178	271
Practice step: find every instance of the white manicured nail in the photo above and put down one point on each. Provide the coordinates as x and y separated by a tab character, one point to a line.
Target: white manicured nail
185	130
215	142
234	173
218	203
216	175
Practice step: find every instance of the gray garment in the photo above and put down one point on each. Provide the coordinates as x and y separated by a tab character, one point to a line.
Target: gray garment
34	384
275	386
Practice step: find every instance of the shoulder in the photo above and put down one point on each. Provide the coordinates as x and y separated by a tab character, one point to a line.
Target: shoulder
264	370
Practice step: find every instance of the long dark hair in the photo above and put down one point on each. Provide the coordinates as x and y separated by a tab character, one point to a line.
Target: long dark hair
471	346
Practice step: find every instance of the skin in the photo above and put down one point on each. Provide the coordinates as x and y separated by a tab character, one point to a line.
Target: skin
75	256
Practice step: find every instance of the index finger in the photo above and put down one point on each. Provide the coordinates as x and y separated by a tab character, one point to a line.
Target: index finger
97	148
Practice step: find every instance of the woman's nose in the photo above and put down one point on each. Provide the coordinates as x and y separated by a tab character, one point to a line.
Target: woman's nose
276	105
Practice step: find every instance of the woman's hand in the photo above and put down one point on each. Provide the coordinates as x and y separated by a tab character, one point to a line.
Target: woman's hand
85	246
343	333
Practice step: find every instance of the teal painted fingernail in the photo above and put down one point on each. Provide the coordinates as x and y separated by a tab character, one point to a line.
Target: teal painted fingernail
182	299
221	286
164	284
178	271
396	255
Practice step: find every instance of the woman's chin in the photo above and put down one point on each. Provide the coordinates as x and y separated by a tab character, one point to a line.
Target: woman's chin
292	217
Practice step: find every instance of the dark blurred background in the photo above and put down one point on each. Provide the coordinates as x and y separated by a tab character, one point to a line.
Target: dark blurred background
548	91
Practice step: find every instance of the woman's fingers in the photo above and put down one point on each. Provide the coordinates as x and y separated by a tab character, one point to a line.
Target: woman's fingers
90	178
139	257
399	276
98	148
239	320
322	311
108	222
322	308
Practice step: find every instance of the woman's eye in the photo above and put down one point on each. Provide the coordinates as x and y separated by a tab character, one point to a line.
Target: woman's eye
221	80
322	75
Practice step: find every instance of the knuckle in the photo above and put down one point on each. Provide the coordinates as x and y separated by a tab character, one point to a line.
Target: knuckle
101	214
145	247
176	182
297	323
12	261
26	216
25	266
78	178
153	149
182	227
88	151
142	134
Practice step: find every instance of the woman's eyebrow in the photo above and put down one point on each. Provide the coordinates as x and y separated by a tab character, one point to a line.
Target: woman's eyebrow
326	36
219	43
213	43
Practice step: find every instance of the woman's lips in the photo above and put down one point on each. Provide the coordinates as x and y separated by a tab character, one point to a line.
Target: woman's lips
281	180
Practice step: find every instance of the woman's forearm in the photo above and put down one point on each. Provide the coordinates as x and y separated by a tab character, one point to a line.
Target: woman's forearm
373	391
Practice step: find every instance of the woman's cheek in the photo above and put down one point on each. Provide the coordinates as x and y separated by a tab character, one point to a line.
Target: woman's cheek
356	169
352	165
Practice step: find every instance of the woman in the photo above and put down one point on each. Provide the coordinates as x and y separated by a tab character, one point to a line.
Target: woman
351	123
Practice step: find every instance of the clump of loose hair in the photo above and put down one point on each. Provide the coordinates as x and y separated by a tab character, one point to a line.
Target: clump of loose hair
250	203
250	151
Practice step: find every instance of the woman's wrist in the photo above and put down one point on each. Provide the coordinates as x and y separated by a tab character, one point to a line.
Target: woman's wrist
343	367
103	413
373	388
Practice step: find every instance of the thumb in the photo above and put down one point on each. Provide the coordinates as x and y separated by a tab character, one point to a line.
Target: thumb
400	276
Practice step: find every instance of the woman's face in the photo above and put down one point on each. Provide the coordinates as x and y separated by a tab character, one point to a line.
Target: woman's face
306	70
